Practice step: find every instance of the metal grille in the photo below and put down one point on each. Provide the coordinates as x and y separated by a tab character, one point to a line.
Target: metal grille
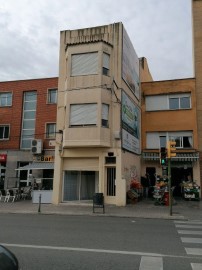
111	177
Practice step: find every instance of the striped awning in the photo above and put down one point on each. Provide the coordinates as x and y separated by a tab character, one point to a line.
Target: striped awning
37	166
179	156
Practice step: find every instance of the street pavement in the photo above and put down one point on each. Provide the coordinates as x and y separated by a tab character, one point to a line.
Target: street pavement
183	210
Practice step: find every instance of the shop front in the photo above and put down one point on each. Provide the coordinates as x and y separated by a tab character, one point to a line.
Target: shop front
40	177
79	185
184	172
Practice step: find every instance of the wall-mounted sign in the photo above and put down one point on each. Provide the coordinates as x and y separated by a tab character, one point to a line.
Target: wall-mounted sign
44	158
130	125
3	158
130	65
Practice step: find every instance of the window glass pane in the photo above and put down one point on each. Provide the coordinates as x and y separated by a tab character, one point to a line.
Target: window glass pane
50	130
30	106
5	99
162	141
28	134
106	60
1	132
173	103
9	100
30	96
29	115
105	115
28	124
6	132
185	103
176	139
26	143
187	142
52	96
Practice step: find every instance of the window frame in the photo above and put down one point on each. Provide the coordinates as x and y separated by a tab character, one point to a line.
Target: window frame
161	102
50	135
105	122
155	140
9	95
179	102
3	133
105	64
49	96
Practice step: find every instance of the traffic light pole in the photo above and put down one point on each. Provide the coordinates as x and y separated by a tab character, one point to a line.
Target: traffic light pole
169	186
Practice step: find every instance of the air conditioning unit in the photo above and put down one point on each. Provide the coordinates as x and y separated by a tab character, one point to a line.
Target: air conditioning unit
36	146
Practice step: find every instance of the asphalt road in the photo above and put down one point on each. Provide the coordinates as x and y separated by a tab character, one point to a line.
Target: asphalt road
82	242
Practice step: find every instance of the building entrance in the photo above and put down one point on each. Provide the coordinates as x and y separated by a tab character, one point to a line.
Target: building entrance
178	175
79	185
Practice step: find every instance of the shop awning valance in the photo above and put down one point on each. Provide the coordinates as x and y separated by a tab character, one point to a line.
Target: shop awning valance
179	156
37	166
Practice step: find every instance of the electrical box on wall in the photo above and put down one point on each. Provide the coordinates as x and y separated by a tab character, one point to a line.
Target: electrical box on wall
36	146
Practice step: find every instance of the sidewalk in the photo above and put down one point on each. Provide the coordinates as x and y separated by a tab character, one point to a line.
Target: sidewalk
143	209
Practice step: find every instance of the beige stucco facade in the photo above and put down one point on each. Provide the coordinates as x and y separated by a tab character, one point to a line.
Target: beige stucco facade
95	149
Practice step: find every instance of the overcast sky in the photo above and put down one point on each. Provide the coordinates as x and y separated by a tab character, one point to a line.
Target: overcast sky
160	30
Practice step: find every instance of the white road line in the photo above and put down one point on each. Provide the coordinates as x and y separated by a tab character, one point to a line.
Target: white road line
151	263
196	266
191	240
194	251
189	226
120	252
189	232
84	249
188	222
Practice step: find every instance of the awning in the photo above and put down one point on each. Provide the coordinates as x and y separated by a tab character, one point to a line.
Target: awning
37	166
179	156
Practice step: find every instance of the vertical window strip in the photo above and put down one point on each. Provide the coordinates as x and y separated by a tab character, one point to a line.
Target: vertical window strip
28	127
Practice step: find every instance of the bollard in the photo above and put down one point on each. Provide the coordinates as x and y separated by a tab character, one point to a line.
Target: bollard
39	209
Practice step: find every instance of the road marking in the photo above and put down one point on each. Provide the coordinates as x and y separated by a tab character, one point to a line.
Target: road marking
122	252
196	266
188	222
189	232
151	263
191	240
194	251
189	226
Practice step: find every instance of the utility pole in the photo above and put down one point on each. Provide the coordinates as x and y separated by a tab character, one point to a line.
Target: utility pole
170	153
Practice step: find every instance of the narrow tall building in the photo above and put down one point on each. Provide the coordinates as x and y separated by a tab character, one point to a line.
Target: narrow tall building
98	145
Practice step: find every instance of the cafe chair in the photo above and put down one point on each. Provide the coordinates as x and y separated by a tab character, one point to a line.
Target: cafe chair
10	196
3	195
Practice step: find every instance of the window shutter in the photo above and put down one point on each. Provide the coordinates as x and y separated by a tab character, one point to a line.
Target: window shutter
83	114
84	64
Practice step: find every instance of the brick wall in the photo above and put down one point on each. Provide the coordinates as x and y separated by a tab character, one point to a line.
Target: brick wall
45	113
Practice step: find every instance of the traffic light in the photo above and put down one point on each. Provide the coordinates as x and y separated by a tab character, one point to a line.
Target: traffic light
163	155
171	149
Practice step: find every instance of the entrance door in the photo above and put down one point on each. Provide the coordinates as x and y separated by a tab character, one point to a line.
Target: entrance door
178	175
78	185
